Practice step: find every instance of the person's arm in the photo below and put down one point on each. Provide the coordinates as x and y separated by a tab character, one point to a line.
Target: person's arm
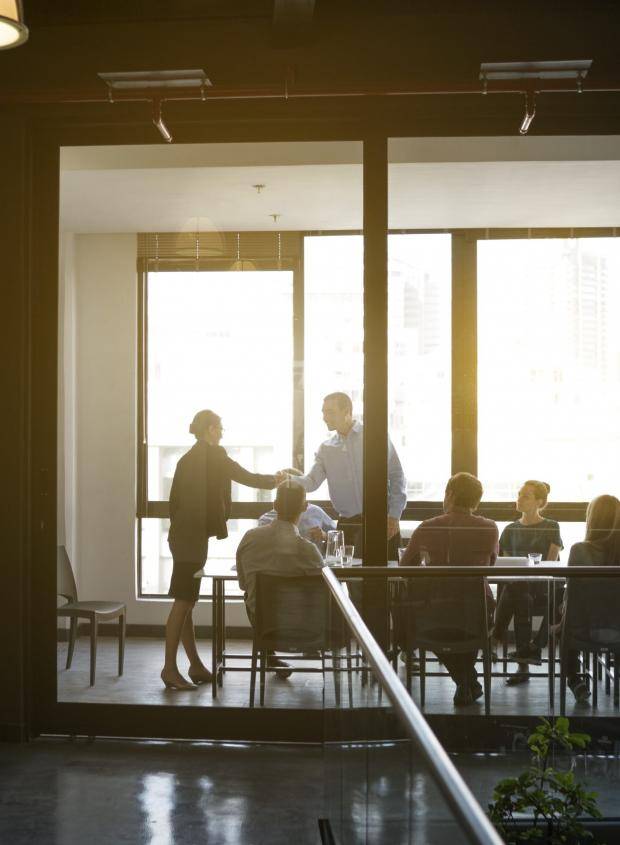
239	559
312	480
504	542
397	485
250	479
495	552
411	555
555	544
173	498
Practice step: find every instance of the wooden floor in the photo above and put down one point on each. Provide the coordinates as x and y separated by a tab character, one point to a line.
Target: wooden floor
140	684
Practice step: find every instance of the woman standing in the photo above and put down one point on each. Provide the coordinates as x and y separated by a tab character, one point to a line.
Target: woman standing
199	507
531	533
600	548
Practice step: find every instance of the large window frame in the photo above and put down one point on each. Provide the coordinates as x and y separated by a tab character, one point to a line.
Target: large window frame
464	392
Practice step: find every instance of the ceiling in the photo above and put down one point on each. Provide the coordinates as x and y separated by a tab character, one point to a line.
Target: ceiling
434	183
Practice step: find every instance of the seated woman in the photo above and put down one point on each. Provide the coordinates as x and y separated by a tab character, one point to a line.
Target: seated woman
600	548
531	533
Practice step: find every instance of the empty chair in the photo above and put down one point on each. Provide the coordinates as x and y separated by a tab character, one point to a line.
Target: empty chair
94	611
293	615
449	617
592	625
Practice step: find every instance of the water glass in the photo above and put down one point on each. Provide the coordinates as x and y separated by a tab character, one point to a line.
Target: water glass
533	559
347	555
335	545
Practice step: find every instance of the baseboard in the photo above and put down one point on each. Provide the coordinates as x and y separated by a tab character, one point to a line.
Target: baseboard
233	632
11	732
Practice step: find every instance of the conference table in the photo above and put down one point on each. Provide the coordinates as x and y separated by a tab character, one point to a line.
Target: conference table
222	571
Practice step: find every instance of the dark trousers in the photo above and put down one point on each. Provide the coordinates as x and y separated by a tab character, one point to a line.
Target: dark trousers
462	667
353	529
520	599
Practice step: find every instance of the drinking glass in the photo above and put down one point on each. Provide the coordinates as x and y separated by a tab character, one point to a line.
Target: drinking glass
335	545
347	555
533	559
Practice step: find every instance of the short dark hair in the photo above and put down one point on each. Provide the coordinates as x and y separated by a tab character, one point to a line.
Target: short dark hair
202	421
290	500
342	400
466	490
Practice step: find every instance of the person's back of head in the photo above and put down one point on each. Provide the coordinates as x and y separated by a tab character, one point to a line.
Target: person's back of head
202	422
463	491
603	526
290	501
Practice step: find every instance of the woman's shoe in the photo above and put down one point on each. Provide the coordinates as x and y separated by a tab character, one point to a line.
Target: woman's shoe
202	676
177	683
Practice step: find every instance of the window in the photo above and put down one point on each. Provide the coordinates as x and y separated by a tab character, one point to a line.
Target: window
419	326
549	366
334	331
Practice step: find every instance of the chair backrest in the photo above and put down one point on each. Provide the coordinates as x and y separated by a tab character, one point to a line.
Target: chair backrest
292	613
592	614
447	612
65	581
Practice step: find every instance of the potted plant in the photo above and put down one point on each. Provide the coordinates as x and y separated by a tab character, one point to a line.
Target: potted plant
555	802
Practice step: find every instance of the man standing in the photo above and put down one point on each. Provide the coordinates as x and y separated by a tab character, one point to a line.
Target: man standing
457	538
340	461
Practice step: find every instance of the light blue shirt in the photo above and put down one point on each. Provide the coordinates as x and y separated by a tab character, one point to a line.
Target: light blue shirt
340	461
312	517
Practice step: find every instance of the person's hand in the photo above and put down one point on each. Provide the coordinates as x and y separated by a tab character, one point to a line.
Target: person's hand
393	526
281	477
316	535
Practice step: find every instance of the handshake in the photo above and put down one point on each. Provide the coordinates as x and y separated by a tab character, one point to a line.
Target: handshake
283	475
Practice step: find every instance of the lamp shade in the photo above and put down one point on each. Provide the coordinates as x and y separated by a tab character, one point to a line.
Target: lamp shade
13	30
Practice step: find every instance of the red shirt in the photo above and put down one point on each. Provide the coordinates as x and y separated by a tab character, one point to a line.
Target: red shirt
457	538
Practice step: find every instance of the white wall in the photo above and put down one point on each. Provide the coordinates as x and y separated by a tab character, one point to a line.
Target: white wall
97	423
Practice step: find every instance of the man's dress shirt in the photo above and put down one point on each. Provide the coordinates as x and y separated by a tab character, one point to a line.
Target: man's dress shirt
312	517
340	461
276	549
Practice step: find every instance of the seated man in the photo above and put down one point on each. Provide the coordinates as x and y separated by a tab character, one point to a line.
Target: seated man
313	524
277	549
457	538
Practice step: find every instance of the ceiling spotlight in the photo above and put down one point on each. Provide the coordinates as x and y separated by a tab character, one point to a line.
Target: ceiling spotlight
275	217
530	111
572	69
13	30
258	188
149	79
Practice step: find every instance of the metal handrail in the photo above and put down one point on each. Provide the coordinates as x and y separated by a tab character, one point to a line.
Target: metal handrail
491	572
457	794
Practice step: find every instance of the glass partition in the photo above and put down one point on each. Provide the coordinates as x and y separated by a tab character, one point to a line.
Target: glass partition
387	779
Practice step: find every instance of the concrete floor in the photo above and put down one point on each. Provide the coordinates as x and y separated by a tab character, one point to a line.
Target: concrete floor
58	792
140	684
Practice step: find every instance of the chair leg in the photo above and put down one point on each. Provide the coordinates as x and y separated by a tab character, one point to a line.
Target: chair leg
616	680
263	661
253	674
349	672
336	671
551	668
607	672
505	654
422	678
73	623
486	663
595	668
122	628
93	648
562	684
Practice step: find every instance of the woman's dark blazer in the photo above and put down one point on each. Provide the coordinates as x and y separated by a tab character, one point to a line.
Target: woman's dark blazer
200	499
